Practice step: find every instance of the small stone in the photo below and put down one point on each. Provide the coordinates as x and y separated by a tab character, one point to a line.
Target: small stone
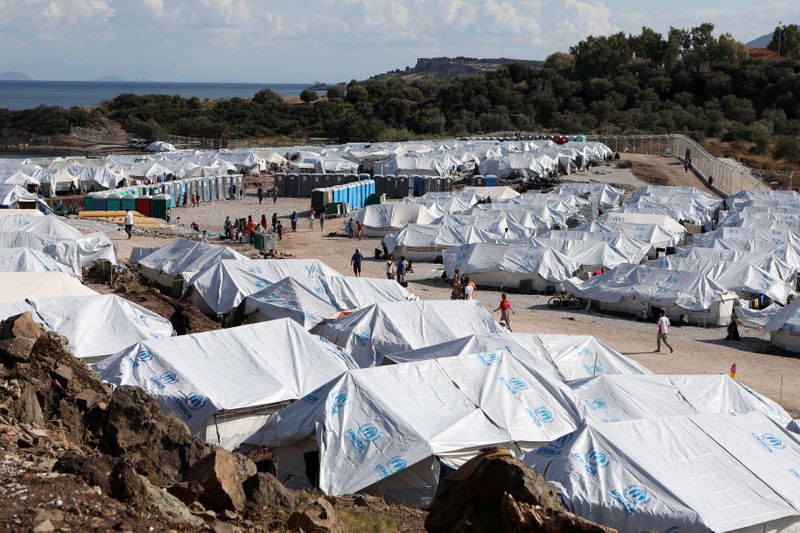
63	374
42	527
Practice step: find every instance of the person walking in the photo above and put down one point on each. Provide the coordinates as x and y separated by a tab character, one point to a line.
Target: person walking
663	331
274	195
390	267
322	220
251	229
260	194
180	320
228	227
128	223
504	308
293	221
401	270
458	287
359	229
469	289
356	262
311	219
279	230
264	222
274	221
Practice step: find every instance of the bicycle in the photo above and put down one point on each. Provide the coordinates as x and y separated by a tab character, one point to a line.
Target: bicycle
564	300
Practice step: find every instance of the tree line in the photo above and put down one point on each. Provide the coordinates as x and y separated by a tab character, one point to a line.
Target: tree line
687	81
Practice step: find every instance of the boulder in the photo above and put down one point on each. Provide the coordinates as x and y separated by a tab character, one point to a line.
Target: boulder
161	446
95	470
316	516
18	334
28	409
187	491
470	498
518	516
245	467
222	487
265	490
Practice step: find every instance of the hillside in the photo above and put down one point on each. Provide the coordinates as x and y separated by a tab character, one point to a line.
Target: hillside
11	75
760	42
450	67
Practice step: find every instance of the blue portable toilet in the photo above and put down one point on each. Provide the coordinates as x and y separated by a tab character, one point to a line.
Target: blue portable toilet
373	186
362	177
491	181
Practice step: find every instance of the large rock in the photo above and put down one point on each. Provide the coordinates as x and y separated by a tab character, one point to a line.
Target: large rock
316	516
28	409
18	334
265	490
470	498
161	446
519	516
222	487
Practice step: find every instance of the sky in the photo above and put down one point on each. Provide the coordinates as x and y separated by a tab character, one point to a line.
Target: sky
298	41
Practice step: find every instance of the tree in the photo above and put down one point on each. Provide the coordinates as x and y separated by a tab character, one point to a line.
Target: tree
335	93
309	95
356	93
788	39
560	62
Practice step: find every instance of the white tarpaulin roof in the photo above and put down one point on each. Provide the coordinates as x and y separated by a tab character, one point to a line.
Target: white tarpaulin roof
446	234
664	221
183	258
374	423
683	473
223	285
606	195
688	290
19	286
627	245
48	225
195	376
387	328
72	253
654	234
380	219
737	277
764	260
27	260
567	357
585	252
291	298
483	257
101	324
501	192
347	292
787	318
11	194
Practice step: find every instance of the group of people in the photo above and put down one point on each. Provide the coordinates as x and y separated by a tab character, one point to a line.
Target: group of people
398	272
261	194
353	229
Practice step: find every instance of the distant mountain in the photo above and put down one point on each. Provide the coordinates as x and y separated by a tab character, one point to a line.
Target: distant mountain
11	75
450	67
760	42
117	79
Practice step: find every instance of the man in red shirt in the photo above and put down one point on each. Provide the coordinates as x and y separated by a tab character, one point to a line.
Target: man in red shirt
505	307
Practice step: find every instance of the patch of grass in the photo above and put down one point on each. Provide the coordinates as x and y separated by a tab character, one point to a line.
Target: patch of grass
370	521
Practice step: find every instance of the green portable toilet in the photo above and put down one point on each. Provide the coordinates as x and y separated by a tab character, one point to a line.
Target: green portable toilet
87	203
334	209
159	206
128	202
113	203
318	197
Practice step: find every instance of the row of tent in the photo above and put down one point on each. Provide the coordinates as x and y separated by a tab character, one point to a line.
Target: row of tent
423	158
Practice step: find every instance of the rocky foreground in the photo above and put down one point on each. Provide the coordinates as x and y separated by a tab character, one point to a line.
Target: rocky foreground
75	455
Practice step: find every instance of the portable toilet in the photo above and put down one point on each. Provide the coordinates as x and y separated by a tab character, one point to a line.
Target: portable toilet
448	184
328	195
318	197
405	187
317	181
159	206
143	206
127	202
350	178
338	179
280	183
336	193
390	186
478	181
207	184
98	203
87	203
304	185
362	177
328	180
291	185
378	185
113	203
419	185
372	187
491	181
430	184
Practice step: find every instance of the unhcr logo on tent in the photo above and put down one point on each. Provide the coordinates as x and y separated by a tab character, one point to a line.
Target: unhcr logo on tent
337	400
631	498
514	385
554	448
141	355
541	415
170	378
196	401
392	466
795	472
769	442
592	461
596	404
489	358
190	403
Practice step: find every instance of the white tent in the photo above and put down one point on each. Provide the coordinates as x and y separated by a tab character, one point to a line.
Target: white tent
183	258
657	236
495	193
387	328
635	289
347	292
11	194
510	266
566	357
684	473
605	196
426	242
49	225
160	146
592	255
378	220
766	260
291	298
27	260
223	285
784	327
664	221
98	325
224	384
747	280
383	429
18	286
72	253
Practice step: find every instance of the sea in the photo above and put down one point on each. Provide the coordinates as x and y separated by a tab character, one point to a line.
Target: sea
29	94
